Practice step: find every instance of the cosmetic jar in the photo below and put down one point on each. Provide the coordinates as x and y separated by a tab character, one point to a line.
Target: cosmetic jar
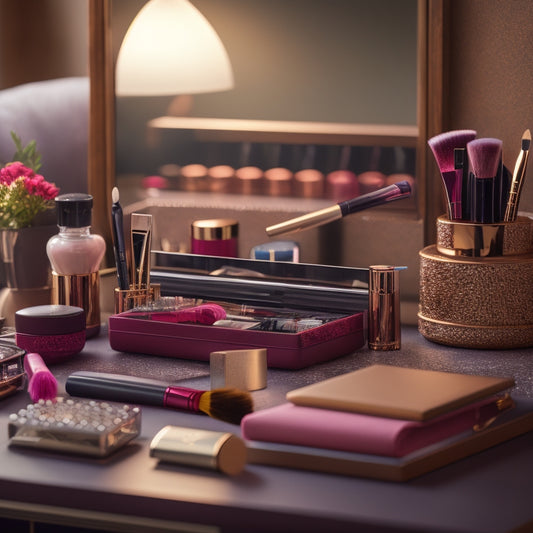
309	183
220	178
213	450
278	181
194	178
341	185
56	332
218	236
12	375
476	284
249	180
370	181
276	251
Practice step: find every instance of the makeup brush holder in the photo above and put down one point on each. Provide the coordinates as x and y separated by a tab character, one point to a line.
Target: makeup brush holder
476	285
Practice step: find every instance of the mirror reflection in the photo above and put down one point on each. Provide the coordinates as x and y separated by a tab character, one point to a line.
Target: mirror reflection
319	87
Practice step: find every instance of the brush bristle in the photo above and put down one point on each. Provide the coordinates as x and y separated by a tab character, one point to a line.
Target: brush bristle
115	195
42	386
443	146
484	156
227	404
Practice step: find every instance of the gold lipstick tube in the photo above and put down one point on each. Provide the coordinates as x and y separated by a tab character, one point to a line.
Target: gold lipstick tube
384	308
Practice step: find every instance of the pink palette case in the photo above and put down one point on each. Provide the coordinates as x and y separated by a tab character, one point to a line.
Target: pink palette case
338	290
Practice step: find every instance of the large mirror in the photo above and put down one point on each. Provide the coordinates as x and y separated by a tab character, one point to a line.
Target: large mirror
416	28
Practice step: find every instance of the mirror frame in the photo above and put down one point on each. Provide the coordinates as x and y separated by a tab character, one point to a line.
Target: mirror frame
431	60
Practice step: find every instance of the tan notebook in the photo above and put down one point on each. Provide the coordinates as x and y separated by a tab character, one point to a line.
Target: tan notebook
398	392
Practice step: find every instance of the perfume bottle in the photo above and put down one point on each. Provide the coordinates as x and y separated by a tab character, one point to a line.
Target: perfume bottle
75	255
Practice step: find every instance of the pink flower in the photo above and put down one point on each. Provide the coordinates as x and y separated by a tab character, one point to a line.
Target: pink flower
12	171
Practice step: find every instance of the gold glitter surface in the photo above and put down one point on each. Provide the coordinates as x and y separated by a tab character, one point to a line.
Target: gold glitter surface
484	302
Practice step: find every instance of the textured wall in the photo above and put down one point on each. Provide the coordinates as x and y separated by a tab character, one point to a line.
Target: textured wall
491	74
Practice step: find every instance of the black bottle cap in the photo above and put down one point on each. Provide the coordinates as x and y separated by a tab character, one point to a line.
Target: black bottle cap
74	210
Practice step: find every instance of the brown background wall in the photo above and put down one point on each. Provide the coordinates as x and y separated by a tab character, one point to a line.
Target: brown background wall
490	76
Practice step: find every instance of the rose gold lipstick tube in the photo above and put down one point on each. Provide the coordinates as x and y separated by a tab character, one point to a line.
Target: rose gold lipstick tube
384	308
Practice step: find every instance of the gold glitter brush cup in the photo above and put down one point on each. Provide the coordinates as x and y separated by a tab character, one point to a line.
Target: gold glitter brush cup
476	285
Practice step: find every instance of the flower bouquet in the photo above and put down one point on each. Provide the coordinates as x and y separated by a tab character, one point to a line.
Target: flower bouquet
25	200
23	193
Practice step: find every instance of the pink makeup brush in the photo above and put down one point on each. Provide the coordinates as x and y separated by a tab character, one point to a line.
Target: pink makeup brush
42	384
443	147
484	157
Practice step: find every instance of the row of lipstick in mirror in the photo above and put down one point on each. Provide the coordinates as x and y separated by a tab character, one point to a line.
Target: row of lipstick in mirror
338	185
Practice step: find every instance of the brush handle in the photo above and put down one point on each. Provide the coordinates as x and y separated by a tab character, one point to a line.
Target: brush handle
484	201
34	363
396	191
119	388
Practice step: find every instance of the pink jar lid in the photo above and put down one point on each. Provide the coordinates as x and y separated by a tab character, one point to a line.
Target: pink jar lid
50	320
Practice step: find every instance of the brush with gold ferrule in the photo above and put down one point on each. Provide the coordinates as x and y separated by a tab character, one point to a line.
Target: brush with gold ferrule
518	178
397	191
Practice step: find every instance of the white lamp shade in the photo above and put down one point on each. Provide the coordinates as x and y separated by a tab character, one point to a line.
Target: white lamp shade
170	48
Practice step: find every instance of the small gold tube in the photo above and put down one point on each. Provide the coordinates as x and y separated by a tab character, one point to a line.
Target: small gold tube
384	331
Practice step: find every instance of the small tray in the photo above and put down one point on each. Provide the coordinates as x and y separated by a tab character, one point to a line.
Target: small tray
342	291
194	341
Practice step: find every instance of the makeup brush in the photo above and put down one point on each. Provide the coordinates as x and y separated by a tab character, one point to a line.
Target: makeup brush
226	404
443	147
518	178
397	191
484	157
42	384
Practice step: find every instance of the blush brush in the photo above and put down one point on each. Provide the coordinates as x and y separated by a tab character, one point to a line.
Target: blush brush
42	384
444	147
484	157
226	404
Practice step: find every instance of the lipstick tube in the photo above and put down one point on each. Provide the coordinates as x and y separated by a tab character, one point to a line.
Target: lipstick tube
384	308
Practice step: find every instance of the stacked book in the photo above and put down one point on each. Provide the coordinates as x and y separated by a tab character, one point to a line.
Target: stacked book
386	422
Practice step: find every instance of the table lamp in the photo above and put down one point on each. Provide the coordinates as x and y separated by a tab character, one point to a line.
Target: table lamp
170	48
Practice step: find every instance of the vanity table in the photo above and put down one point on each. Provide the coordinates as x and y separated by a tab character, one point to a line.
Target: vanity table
491	491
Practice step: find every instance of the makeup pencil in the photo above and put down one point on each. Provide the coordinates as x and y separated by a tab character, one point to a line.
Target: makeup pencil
518	178
119	247
484	156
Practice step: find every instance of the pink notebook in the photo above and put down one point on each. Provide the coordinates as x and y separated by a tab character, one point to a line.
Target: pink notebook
359	433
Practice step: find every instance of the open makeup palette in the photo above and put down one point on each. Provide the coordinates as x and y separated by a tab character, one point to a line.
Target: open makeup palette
301	313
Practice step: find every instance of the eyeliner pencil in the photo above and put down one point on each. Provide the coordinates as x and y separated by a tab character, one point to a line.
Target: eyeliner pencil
119	247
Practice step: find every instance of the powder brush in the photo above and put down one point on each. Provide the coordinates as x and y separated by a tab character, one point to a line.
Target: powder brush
42	384
484	157
226	404
444	148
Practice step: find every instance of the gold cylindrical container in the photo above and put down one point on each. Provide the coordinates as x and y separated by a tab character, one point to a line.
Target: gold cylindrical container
128	299
384	308
476	285
80	290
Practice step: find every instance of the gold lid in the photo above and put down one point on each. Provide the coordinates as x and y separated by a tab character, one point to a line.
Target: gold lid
215	229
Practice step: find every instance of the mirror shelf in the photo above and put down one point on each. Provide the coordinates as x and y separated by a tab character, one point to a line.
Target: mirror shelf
293	132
